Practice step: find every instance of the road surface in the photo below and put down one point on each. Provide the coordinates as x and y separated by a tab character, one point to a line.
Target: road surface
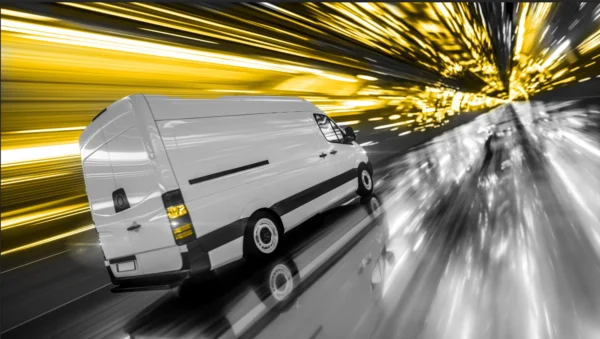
490	230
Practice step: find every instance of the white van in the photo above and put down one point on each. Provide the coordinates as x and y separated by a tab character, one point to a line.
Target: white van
182	186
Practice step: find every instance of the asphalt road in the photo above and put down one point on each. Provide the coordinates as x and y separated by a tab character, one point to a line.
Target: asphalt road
463	239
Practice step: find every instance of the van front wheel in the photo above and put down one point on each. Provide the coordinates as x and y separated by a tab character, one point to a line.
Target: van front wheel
365	181
263	236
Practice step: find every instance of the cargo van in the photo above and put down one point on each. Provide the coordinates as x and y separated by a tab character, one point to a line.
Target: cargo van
184	186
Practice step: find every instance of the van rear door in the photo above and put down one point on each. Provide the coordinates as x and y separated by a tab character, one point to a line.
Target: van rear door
124	191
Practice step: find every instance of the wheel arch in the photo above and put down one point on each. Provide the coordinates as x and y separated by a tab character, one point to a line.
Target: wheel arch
272	213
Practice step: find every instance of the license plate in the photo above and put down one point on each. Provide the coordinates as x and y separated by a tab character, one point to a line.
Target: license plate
126	266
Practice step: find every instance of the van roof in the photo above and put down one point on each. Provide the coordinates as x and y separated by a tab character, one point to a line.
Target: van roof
168	108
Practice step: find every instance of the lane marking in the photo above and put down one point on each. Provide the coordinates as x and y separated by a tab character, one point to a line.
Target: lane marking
249	318
57	307
33	262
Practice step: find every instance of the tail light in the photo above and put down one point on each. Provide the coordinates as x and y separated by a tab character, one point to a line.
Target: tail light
181	223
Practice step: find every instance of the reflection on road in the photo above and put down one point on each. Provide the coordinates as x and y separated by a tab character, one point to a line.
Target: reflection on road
490	231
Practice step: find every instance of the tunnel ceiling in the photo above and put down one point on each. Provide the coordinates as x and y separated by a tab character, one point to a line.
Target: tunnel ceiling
427	43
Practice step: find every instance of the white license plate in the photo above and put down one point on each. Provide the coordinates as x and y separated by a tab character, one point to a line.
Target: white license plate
126	266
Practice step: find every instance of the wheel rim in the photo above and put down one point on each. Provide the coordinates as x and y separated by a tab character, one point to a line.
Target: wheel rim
366	179
280	282
266	236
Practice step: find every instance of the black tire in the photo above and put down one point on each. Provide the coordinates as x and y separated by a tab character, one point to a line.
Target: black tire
264	242
365	181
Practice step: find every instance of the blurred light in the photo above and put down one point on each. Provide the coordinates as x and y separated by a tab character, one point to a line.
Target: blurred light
46	130
22	155
556	53
24	15
233	91
50	239
366	77
61	73
346	123
395	124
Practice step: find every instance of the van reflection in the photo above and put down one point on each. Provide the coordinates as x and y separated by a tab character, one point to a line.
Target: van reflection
242	300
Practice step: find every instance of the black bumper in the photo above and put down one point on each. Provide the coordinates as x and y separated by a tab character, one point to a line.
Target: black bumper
195	261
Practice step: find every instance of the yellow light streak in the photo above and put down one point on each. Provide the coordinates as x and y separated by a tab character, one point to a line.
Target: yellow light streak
79	38
233	91
346	123
25	155
24	179
48	240
44	215
72	72
9	12
395	124
366	77
47	130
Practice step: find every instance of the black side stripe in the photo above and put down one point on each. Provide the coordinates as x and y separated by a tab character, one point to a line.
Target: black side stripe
227	172
220	236
289	204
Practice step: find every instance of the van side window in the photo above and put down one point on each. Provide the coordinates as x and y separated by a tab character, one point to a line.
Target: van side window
328	129
338	130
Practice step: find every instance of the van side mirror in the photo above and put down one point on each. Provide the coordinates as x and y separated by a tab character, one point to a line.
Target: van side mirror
350	135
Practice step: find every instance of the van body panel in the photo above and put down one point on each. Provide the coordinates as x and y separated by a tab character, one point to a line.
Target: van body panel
232	204
126	160
289	145
165	108
345	185
347	156
217	154
162	260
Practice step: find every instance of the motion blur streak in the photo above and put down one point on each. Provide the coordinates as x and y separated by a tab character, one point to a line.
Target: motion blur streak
489	230
556	45
63	63
26	155
53	238
418	64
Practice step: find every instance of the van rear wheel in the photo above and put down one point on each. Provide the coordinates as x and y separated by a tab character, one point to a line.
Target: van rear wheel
365	181
263	236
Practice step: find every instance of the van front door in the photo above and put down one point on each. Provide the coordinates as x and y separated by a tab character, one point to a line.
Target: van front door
342	154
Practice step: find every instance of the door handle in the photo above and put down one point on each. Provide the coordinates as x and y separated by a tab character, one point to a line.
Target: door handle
323	155
333	152
133	227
